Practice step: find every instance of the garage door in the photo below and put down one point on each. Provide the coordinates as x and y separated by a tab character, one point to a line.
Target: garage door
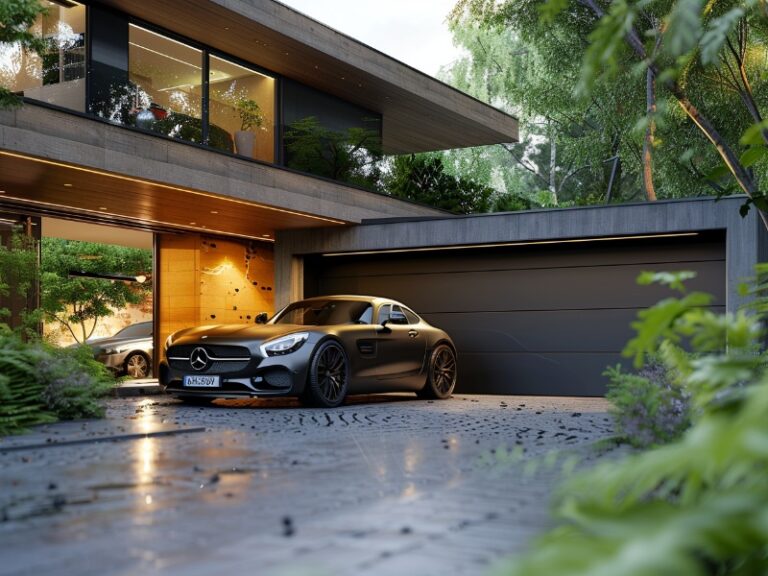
543	319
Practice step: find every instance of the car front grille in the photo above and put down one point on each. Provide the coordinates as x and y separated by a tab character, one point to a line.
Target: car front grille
221	359
213	350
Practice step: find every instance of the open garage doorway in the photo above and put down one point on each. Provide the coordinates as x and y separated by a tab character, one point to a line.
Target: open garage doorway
97	289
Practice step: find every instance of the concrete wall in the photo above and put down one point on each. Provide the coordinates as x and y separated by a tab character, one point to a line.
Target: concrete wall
745	238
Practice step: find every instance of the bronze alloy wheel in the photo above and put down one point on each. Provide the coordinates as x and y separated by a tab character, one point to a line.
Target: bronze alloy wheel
442	373
328	375
137	365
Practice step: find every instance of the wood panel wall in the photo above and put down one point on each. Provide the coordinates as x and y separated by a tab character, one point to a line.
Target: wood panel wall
205	280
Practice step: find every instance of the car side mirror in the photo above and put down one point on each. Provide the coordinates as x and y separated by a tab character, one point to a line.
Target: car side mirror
262	318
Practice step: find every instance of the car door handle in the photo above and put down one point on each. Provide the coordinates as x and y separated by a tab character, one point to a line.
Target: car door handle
413	333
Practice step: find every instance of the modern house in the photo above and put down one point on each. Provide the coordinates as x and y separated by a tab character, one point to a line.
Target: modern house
220	127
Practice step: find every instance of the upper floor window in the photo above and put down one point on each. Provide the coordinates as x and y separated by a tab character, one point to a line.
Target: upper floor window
165	85
57	75
241	105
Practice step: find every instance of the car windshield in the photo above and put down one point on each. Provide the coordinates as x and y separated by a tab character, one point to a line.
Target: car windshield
141	330
326	313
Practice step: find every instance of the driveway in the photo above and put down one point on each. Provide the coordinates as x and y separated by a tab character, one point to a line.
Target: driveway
389	485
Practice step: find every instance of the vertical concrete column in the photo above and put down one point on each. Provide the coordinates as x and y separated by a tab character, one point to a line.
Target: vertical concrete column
746	245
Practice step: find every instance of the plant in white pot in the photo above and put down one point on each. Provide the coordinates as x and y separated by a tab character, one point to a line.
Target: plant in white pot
250	117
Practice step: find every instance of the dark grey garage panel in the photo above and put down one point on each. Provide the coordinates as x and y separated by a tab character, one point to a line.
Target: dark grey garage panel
530	320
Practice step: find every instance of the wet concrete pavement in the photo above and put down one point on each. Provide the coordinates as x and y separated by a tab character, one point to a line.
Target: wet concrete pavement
391	485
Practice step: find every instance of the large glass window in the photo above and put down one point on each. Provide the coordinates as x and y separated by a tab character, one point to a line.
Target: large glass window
57	76
329	137
165	85
241	110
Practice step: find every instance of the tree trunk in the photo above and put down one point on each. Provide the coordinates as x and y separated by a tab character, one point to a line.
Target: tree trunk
650	97
552	163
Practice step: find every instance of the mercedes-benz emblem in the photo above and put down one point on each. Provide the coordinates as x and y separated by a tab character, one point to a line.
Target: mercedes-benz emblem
199	359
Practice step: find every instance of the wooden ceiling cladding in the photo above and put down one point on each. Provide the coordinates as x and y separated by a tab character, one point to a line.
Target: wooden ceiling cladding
51	187
420	113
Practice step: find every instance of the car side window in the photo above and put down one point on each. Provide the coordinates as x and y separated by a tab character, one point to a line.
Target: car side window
367	316
412	318
397	316
384	313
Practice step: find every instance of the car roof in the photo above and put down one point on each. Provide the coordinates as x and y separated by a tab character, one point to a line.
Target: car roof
376	300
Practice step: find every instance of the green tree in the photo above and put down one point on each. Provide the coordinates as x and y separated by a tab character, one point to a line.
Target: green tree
423	178
79	303
16	18
19	278
689	76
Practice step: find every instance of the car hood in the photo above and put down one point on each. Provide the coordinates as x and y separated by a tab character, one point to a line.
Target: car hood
235	333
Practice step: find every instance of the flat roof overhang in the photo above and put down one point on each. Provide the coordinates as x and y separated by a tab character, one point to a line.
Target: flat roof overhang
48	187
420	113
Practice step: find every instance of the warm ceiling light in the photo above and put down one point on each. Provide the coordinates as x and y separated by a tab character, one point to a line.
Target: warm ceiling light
102	207
214	211
2	191
265	235
192	223
166	187
67	185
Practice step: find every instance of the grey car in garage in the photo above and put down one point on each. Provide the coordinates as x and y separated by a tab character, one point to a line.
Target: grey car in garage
128	352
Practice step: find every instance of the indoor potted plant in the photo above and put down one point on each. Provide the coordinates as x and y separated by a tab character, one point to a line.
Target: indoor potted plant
250	117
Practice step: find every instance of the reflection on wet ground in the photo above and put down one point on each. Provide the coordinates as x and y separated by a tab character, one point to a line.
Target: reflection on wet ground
386	484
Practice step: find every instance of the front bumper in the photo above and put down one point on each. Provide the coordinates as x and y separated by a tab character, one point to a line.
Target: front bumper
275	376
113	361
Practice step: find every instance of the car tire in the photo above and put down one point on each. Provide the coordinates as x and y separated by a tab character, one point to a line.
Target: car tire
137	365
441	375
328	380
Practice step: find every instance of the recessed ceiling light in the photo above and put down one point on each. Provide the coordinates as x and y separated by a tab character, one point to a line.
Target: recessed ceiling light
2	191
214	211
265	235
68	185
343	78
192	223
286	53
102	207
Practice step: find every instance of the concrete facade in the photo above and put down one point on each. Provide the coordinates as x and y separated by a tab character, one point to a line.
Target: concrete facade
81	141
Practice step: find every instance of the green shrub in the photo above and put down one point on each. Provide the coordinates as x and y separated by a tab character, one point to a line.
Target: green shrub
697	506
40	384
648	408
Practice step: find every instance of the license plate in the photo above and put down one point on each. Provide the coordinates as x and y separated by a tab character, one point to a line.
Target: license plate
202	381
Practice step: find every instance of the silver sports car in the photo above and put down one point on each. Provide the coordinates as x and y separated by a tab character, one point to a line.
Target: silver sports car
319	349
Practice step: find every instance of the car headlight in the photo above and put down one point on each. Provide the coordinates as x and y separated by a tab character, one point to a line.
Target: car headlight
284	344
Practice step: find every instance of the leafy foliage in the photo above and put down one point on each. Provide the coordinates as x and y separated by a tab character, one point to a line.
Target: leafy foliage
19	275
352	156
78	303
16	19
40	384
423	178
688	74
694	506
649	408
